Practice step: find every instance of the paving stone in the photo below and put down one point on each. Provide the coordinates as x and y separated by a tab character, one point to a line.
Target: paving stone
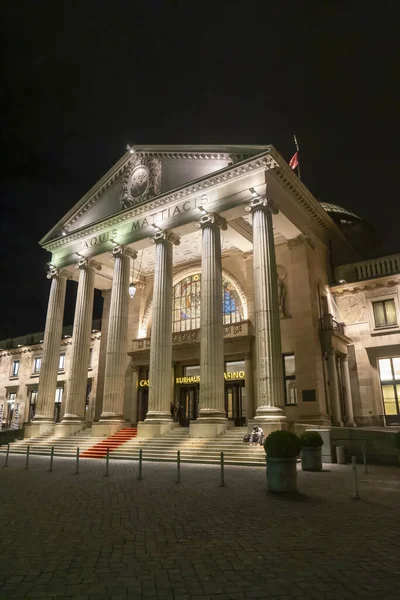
91	537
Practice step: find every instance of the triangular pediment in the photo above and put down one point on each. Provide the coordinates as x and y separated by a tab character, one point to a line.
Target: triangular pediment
145	172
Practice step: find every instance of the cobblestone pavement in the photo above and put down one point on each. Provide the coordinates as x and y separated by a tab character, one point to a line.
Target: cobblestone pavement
89	536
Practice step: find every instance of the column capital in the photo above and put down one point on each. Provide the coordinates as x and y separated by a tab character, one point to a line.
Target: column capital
84	263
123	251
166	236
264	204
345	358
211	219
53	272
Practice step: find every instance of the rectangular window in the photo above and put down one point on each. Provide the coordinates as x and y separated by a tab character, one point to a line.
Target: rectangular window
191	371
61	362
15	368
59	395
37	363
90	358
234	366
289	376
12	396
384	313
32	407
389	373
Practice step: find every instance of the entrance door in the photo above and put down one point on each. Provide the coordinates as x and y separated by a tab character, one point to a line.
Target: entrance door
188	405
234	405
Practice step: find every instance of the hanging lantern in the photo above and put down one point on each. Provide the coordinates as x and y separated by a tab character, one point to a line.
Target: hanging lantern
132	289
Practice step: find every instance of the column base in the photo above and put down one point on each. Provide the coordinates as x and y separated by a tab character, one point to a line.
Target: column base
207	429
66	429
147	429
107	428
39	428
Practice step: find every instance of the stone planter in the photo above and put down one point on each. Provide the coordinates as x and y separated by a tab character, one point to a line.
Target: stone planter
311	459
281	474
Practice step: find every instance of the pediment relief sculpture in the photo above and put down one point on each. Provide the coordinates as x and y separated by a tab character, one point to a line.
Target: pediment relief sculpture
142	181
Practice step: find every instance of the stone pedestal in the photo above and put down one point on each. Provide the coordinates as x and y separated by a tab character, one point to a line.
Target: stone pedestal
62	430
152	430
107	428
269	370
212	419
34	429
44	417
77	380
344	363
111	418
158	419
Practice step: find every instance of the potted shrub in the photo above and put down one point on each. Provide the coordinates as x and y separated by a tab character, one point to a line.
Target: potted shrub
311	451
282	449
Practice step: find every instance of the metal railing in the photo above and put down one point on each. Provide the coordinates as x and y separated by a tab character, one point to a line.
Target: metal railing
328	323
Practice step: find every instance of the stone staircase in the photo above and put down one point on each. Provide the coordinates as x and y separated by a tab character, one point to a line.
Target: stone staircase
192	450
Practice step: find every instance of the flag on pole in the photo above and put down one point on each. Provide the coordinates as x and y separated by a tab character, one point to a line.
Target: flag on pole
294	161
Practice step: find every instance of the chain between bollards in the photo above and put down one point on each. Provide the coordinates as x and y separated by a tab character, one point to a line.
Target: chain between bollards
364	453
107	462
222	470
140	464
178	466
354	467
76	472
7	454
51	459
27	456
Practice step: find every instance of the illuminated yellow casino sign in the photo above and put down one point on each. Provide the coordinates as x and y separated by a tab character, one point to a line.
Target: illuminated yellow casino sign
231	376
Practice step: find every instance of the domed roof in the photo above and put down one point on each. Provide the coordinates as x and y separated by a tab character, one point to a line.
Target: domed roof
334	208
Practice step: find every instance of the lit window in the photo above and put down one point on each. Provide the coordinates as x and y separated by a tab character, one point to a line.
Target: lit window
289	376
15	368
384	313
389	372
61	362
37	363
187	300
12	396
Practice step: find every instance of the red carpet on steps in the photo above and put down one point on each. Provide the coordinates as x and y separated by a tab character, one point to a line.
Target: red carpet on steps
100	450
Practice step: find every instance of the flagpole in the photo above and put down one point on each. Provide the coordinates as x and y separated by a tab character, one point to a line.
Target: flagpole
298	155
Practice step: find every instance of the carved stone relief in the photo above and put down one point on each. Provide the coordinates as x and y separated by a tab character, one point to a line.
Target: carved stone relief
142	181
351	308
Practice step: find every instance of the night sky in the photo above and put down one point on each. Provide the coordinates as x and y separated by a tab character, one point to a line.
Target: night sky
82	78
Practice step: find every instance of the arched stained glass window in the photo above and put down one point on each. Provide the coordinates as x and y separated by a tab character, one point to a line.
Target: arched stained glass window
186	303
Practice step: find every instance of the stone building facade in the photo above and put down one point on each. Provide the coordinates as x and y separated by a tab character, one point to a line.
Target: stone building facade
216	266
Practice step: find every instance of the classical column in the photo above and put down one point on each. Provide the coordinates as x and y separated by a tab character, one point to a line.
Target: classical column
336	413
44	417
212	416
111	418
77	381
249	386
269	370
344	363
158	419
